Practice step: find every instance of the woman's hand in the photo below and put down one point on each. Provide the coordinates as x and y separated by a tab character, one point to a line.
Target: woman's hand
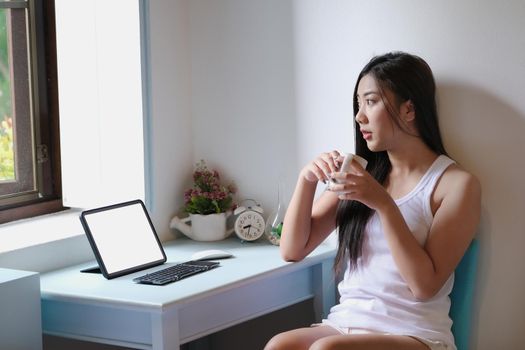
322	167
308	222
359	185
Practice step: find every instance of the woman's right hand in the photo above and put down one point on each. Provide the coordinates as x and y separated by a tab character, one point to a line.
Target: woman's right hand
308	221
321	167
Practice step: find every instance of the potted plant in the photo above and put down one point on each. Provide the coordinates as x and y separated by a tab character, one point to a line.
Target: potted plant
208	203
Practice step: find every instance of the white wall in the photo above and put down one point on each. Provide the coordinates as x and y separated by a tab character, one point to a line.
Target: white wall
242	91
287	69
170	144
99	71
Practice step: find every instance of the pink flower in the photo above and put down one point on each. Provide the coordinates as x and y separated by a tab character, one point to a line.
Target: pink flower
207	194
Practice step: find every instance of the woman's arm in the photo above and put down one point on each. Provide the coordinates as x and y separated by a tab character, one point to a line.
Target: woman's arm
456	205
306	223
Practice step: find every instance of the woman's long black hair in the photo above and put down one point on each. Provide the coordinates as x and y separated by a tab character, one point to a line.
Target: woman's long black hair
410	78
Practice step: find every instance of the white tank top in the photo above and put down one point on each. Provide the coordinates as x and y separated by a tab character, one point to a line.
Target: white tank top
375	296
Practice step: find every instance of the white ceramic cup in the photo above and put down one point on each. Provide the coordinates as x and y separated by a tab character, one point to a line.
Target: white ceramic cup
348	159
345	167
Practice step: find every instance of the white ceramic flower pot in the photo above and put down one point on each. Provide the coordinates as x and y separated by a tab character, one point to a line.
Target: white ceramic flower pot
211	227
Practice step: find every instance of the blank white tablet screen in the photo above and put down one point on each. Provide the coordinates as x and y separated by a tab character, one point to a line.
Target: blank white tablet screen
124	237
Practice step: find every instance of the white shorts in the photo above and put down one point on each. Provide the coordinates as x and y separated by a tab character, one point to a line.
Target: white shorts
432	344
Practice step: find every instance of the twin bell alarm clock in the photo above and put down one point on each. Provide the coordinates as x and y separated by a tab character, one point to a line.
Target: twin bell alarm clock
249	224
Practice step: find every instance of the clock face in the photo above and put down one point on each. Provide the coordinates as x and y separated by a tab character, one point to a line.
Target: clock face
249	225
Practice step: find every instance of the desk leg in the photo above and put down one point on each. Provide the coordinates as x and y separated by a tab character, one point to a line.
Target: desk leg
324	289
165	331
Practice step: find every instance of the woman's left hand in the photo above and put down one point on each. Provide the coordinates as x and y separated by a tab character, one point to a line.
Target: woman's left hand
359	185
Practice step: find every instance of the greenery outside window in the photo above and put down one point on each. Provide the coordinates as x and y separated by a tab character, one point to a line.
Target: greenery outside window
29	146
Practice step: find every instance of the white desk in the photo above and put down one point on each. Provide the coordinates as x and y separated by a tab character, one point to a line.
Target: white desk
256	282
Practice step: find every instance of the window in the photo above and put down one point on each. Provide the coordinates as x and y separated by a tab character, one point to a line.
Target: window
29	146
75	55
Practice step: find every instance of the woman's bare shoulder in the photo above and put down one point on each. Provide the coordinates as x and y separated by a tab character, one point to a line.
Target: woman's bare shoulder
456	182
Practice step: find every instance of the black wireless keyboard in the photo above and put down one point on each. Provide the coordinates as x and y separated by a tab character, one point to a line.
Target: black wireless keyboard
176	272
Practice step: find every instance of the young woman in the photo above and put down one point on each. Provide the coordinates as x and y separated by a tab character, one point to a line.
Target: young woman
404	223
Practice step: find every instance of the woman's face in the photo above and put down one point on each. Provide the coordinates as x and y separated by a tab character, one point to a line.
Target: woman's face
375	122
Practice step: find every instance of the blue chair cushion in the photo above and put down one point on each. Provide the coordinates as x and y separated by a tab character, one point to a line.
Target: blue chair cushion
462	296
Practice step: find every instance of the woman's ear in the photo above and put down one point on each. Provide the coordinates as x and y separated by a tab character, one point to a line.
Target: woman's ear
408	112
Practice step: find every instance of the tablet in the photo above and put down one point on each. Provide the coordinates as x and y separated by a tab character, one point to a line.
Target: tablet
123	238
